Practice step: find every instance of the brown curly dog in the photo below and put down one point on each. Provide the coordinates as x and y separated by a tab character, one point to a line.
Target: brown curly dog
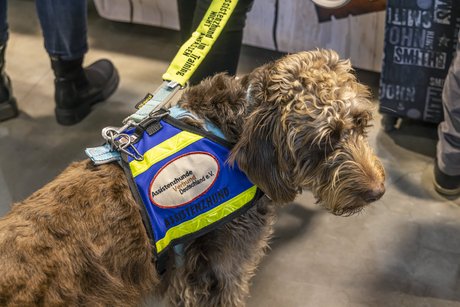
297	123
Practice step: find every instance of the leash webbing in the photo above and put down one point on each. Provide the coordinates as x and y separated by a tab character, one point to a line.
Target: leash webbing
195	49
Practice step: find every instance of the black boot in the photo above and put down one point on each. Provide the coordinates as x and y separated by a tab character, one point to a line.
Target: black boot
78	88
8	106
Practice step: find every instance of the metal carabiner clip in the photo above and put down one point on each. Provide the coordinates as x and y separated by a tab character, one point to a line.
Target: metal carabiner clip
120	141
125	141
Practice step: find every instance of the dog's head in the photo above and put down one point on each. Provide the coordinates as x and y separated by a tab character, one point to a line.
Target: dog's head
306	129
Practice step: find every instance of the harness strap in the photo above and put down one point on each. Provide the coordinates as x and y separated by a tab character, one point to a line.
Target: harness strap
178	113
161	97
105	153
102	154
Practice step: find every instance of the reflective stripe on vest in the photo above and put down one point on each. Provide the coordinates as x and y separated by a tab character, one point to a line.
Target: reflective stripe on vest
185	184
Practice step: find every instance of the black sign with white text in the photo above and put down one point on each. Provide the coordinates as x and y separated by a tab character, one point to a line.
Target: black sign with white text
420	40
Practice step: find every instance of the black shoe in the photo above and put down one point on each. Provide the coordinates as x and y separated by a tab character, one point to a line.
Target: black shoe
446	184
78	88
8	106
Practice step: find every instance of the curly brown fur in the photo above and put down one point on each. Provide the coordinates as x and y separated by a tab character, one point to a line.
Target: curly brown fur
78	241
298	123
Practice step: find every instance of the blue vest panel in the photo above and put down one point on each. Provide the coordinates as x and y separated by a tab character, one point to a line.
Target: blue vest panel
185	184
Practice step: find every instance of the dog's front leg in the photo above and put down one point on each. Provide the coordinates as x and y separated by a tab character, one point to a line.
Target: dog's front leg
218	266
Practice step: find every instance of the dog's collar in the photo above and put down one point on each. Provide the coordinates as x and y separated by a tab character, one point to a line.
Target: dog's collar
179	113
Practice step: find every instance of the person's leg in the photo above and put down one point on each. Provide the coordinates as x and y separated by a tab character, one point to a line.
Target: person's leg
225	53
8	107
63	24
3	22
186	9
447	168
64	29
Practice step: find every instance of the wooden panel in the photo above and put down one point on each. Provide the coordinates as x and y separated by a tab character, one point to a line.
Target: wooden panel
363	41
161	13
259	24
114	9
355	7
359	38
379	42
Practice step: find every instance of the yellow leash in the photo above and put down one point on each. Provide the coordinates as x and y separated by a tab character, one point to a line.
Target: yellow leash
195	49
186	61
184	64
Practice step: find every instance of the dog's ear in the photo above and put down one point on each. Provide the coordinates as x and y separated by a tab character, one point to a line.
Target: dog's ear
257	156
258	152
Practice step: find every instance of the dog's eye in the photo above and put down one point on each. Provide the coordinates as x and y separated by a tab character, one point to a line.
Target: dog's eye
361	123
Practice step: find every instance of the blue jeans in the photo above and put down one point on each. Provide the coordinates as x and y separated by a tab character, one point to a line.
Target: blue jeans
63	24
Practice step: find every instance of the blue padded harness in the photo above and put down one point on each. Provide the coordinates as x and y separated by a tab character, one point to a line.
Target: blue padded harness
183	181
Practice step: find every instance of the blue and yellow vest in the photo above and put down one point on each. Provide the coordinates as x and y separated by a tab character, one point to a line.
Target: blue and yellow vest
184	182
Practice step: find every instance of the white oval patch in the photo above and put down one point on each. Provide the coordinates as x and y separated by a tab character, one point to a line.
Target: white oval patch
183	179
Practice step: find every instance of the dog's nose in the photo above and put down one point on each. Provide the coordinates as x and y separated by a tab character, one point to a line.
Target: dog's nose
374	194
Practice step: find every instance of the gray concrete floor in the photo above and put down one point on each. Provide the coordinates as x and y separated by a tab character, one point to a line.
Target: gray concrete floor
403	251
